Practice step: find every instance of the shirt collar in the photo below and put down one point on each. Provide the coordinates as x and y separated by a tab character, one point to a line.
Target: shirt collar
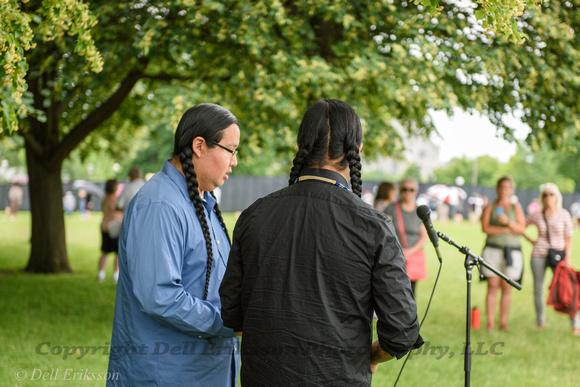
179	179
326	173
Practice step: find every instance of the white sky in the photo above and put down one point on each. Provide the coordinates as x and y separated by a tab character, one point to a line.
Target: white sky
473	136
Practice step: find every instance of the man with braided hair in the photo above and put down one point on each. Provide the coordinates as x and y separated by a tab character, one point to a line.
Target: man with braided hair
173	252
310	262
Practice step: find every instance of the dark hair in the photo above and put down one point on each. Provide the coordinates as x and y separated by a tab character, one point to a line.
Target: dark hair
207	121
505	178
111	186
135	172
330	130
384	189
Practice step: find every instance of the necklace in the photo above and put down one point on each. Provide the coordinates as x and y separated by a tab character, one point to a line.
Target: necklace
333	182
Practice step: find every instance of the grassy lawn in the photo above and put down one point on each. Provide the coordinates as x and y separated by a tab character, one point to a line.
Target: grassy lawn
43	316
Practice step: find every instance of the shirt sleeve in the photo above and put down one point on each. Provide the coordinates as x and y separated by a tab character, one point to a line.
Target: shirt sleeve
231	286
397	325
155	256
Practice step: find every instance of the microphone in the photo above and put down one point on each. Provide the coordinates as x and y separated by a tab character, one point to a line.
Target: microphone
424	213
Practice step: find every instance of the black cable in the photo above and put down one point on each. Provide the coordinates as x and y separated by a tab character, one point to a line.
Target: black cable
424	316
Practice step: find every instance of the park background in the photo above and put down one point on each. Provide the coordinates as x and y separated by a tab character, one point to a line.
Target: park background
89	89
70	310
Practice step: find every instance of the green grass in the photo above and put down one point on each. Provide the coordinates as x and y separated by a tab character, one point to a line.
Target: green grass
76	310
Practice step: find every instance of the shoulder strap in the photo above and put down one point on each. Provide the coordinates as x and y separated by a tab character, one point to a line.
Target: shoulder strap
547	230
401	224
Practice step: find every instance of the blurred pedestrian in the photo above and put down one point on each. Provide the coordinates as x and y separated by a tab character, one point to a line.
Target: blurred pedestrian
410	230
130	189
534	206
386	194
82	194
15	194
555	231
110	227
69	202
502	221
475	207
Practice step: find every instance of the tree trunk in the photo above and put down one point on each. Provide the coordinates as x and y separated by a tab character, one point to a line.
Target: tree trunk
48	245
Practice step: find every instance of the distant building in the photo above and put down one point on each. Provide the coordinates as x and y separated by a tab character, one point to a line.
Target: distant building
419	151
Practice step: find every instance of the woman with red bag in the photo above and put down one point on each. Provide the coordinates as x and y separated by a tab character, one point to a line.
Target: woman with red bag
410	231
555	231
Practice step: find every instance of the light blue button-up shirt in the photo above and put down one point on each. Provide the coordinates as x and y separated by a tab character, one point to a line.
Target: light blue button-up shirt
164	333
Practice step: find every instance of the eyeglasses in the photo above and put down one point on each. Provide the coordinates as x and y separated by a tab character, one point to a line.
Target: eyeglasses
546	194
233	152
405	189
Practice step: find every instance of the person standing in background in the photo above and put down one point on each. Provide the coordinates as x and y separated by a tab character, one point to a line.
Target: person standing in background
135	183
503	222
15	194
82	203
386	194
556	221
112	217
410	230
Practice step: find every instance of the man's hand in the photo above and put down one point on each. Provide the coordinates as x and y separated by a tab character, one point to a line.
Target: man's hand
378	356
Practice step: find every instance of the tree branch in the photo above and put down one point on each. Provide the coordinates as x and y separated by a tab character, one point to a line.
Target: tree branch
33	145
166	77
97	117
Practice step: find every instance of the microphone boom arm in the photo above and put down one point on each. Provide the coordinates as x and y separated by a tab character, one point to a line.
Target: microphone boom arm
476	260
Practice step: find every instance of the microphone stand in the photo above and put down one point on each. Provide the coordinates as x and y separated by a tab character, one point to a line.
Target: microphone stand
470	261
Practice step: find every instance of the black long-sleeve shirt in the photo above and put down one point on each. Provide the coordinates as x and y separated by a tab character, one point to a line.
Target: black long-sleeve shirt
307	266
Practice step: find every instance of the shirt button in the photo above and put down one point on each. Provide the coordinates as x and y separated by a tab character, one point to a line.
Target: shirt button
199	337
218	242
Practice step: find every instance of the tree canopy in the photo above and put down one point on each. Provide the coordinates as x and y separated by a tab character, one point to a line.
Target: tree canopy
70	68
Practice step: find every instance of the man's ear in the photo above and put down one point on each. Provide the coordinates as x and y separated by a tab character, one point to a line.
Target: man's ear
198	146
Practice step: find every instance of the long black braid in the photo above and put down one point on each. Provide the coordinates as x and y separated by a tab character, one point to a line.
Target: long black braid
353	159
330	130
299	163
193	189
206	121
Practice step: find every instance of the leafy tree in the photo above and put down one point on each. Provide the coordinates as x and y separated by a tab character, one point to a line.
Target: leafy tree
413	171
99	65
487	171
532	169
569	165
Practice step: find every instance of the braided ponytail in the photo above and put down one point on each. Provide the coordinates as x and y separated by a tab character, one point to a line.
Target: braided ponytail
207	121
353	159
330	131
193	190
299	162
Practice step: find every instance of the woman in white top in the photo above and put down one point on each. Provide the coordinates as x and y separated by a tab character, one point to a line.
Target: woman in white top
559	223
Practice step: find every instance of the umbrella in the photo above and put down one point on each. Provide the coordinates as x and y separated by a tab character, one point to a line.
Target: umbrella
88	186
450	195
20	178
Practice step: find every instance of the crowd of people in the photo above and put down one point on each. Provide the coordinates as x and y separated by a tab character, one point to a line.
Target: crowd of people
308	266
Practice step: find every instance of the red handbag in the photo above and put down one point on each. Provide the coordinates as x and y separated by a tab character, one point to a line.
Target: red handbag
415	263
564	293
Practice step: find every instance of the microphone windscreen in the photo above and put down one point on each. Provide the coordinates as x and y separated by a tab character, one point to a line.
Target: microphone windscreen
423	212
